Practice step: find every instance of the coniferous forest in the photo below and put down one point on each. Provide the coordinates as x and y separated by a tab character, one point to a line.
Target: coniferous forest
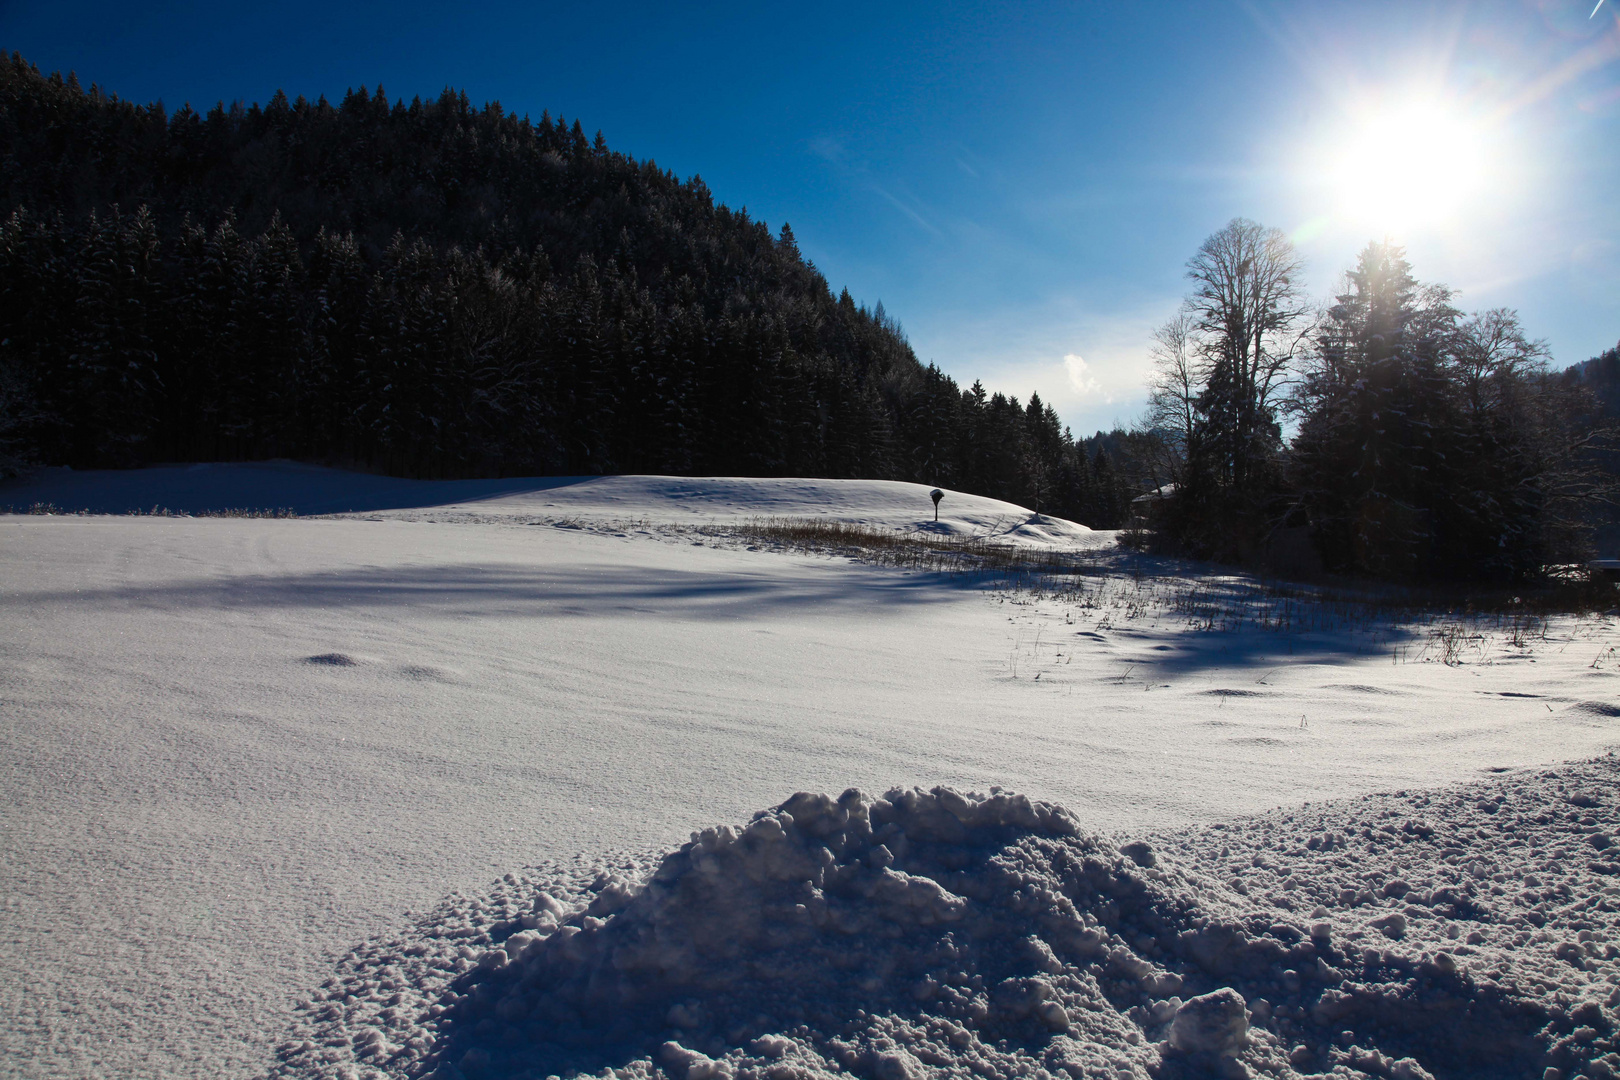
431	289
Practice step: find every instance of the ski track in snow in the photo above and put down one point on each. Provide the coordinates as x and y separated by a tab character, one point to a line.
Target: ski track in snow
236	747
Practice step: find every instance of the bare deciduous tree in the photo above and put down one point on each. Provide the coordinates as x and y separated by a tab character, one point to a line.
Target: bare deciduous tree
1247	322
1175	384
1491	356
1221	371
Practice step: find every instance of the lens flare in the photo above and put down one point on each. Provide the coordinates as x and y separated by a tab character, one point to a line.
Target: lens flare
1411	165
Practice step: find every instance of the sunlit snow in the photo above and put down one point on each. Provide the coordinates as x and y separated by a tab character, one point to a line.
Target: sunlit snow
235	748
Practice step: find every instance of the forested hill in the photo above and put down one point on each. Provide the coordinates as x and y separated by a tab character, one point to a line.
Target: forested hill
1601	375
433	289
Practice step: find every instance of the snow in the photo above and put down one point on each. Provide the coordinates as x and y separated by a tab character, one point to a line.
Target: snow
239	752
309	489
1469	931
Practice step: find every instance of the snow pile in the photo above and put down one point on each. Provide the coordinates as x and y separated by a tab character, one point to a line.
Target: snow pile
827	935
932	932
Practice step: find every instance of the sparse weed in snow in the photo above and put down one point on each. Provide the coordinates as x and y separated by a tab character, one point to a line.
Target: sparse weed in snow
1416	627
1121	586
902	549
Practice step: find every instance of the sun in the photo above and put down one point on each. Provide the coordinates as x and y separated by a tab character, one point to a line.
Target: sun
1411	165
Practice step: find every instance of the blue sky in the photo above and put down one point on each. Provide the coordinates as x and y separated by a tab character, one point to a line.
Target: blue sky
1020	184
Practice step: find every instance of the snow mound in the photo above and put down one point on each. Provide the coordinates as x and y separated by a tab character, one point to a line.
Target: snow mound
815	911
679	500
884	935
934	933
739	500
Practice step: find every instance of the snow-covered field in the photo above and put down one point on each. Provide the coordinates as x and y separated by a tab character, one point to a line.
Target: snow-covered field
662	500
241	751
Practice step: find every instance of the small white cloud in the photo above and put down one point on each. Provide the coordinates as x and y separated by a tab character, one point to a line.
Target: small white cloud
827	149
1080	376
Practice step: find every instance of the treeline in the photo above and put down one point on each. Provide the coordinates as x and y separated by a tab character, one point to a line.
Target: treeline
431	289
1425	443
1601	377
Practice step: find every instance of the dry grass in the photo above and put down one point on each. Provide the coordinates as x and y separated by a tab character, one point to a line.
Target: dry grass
905	550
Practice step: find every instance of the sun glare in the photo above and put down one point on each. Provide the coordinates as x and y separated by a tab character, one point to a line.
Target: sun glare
1411	166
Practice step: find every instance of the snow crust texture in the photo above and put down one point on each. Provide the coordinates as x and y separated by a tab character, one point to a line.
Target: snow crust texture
1464	932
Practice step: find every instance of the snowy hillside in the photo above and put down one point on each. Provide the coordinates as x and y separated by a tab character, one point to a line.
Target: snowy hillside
241	752
308	489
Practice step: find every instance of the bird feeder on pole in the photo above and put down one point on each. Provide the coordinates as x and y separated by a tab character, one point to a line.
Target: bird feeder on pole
936	495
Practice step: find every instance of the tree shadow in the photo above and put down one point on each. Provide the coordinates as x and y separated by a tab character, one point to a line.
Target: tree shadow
582	590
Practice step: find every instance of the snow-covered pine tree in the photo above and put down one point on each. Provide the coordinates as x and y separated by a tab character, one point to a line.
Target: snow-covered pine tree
332	377
104	392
